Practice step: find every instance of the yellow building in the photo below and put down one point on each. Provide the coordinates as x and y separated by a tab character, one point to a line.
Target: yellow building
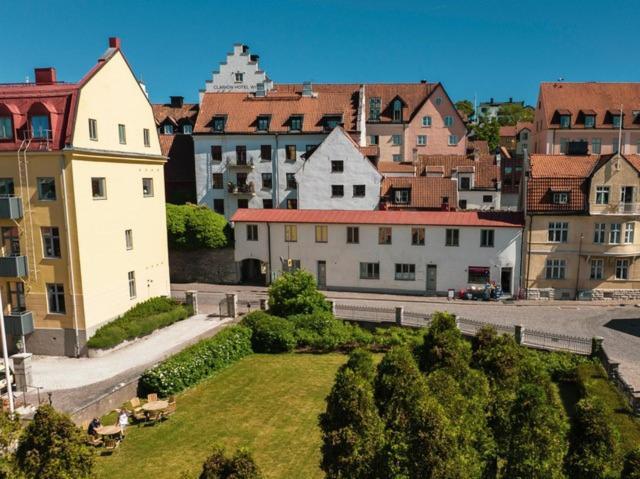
82	204
581	219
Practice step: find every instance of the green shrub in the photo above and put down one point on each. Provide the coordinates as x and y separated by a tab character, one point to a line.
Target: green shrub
192	227
296	293
273	335
321	331
197	362
250	319
631	466
396	336
141	320
239	466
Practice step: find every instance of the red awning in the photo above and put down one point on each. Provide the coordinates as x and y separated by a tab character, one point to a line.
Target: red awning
479	269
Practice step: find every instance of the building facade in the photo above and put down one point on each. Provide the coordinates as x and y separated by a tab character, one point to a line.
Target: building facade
82	207
409	252
582	213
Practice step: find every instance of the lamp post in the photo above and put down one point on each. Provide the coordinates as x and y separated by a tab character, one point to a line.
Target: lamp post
5	354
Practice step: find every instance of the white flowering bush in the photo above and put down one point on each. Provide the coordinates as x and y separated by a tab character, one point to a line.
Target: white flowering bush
197	362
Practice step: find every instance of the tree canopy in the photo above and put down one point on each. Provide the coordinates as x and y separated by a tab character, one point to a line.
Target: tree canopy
512	113
193	227
488	130
465	107
296	293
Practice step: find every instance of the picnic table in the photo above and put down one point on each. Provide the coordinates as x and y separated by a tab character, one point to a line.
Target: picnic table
109	430
153	406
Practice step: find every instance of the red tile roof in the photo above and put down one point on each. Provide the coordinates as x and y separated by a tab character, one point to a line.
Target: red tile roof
481	145
426	192
508	131
177	115
562	166
487	172
412	94
493	219
578	99
395	167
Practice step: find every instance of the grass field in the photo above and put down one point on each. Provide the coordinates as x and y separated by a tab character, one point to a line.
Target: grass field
268	403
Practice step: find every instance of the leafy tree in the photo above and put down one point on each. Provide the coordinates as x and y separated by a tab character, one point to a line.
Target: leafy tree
488	130
512	113
465	107
444	346
239	466
192	227
52	447
352	431
296	293
631	466
593	442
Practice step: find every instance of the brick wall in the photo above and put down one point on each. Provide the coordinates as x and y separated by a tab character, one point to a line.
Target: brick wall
203	266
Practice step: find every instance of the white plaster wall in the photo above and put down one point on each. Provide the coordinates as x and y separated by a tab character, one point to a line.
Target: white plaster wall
343	260
315	177
474	199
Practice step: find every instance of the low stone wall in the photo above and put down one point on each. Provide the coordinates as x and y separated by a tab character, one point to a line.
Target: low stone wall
203	266
584	295
112	399
615	294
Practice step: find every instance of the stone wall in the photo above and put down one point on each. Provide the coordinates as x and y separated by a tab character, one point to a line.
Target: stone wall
203	266
585	295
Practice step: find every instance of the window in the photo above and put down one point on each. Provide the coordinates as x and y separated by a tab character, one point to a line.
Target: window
238	77
396	140
131	276
397	158
267	180
397	110
597	269
308	149
629	229
122	134
128	239
622	269
465	183
330	122
589	121
216	181
453	140
291	152
98	188
462	204
337	166
359	191
93	129
448	121
6	187
147	187
524	136
241	154
452	237
145	137
353	235
626	194
55	298
426	121
565	121
295	123
167	129
556	269
417	236
218	123
263	123
405	272
401	197
290	233
374	108
291	181
265	152
486	238
292	204
614	233
561	198
40	126
438	101
596	146
615	120
216	153
337	191
218	206
243	204
267	204
46	189
558	232
602	195
384	235
599	233
50	242
477	275
322	233
241	179
374	139
487	199
252	232
369	270
422	140
6	128
187	128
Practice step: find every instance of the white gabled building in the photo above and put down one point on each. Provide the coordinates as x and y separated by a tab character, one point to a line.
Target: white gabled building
337	175
413	252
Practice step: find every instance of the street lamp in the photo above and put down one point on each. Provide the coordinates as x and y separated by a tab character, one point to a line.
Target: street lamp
5	354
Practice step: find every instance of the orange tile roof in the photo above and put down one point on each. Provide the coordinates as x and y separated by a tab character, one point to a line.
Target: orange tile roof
427	192
507	130
521	125
563	166
495	219
578	99
481	145
395	167
412	94
486	170
188	111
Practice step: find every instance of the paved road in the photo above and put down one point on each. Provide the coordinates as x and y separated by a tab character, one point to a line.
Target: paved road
619	325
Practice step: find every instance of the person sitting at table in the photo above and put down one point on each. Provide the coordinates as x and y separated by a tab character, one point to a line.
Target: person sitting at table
95	424
123	421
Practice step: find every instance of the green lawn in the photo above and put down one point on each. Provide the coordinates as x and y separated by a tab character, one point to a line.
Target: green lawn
268	403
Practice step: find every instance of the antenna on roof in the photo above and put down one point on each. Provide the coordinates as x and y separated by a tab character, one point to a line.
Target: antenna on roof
620	132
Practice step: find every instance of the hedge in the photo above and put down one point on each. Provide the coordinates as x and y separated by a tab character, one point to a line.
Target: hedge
141	320
272	334
197	362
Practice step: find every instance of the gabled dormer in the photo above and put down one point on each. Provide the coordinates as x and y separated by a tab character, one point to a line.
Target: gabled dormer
262	123
218	123
587	118
614	118
396	108
562	118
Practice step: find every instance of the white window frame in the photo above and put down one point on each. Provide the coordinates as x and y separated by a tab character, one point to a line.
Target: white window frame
102	186
600	233
54	292
369	270
426	121
629	233
448	121
558	232
622	269
396	140
556	269
597	269
615	230
487	238
93	129
147	187
421	140
252	232
602	195
453	140
122	134
405	272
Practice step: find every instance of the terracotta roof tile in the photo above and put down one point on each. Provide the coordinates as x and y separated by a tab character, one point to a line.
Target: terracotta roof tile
188	111
481	145
486	170
563	166
412	94
508	130
426	192
395	167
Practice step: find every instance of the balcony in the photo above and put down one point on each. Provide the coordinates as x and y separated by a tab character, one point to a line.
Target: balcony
241	190
620	209
19	323
13	266
10	208
239	163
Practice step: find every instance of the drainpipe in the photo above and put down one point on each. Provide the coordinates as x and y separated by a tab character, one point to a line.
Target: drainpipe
70	256
528	257
578	271
269	250
276	177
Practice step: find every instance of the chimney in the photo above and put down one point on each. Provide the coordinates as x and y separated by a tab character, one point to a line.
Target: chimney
423	81
254	58
114	42
510	99
307	89
177	101
45	76
491	101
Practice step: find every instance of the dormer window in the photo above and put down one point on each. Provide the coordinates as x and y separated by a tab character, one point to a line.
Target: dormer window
218	123
397	110
295	123
615	120
589	121
6	128
167	129
465	183
561	198
401	196
374	108
330	122
636	116
40	126
263	123
565	121
238	77
187	129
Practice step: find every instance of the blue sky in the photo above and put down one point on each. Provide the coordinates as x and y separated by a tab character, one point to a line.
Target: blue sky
490	48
